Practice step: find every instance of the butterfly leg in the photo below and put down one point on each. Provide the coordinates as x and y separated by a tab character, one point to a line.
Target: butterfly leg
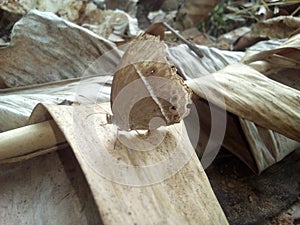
115	142
148	133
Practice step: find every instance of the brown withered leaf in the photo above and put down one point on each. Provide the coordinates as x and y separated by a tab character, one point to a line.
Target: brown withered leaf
193	11
275	28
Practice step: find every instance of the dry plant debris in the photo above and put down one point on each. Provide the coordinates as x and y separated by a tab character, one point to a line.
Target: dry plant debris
261	92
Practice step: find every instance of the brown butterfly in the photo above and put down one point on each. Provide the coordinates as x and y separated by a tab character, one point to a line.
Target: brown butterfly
146	90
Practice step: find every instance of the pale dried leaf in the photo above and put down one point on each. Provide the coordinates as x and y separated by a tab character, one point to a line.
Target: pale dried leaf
67	9
252	96
286	56
229	39
195	202
110	23
46	48
267	147
44	194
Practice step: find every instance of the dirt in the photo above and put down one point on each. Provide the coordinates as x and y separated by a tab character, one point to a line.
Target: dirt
250	199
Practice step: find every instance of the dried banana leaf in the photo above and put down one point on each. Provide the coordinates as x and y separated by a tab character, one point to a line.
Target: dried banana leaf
184	198
46	48
30	141
286	56
254	97
255	148
67	9
49	189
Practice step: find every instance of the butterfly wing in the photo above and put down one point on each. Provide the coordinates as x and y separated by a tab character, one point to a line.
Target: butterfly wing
146	87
